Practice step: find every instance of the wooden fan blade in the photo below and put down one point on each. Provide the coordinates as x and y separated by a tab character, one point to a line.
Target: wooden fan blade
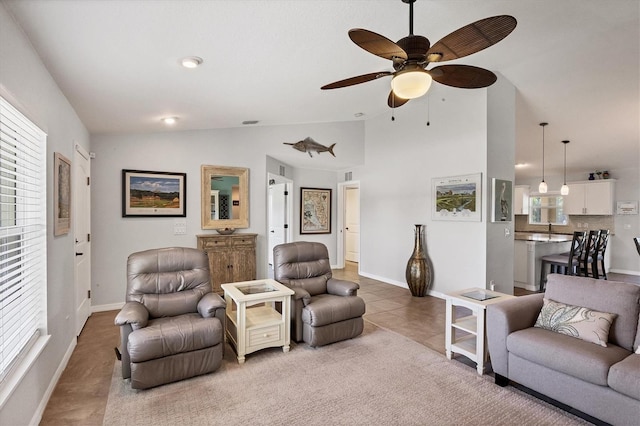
394	102
472	38
377	44
463	76
355	80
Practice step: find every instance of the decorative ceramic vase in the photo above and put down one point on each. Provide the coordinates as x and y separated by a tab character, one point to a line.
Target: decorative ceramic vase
591	176
419	273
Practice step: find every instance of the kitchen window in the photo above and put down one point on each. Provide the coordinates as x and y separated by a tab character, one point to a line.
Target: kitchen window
547	209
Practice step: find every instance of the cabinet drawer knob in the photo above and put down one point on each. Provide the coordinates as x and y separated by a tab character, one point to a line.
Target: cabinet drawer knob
265	335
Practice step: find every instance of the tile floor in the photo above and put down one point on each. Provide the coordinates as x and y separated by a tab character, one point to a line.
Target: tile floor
80	396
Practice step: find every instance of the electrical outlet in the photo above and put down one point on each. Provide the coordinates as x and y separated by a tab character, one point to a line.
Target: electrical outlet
180	227
507	232
578	225
586	225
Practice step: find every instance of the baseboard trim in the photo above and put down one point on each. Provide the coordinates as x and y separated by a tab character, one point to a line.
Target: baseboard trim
625	271
109	307
384	280
37	416
399	284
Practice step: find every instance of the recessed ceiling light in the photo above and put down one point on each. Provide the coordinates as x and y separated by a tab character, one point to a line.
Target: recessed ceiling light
191	61
358	114
169	121
246	122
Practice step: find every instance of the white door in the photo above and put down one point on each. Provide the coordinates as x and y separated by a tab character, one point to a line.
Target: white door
352	224
277	217
82	234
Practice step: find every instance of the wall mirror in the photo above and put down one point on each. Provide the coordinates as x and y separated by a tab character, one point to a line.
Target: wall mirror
547	209
225	197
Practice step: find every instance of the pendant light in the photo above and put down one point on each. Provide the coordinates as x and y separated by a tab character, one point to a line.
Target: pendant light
542	188
564	190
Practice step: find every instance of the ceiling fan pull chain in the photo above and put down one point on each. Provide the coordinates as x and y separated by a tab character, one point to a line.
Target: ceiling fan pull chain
428	109
393	106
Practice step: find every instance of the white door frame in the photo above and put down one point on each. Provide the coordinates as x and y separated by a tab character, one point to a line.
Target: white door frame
342	188
82	284
288	208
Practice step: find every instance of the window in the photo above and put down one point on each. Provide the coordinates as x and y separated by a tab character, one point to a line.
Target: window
22	236
547	209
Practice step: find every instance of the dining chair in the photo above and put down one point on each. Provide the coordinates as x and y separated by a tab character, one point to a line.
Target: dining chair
566	263
637	241
589	255
599	269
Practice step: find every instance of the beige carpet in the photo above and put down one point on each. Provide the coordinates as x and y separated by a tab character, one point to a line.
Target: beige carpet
379	378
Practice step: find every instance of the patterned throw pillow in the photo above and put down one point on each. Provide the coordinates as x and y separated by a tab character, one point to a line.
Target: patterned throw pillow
583	323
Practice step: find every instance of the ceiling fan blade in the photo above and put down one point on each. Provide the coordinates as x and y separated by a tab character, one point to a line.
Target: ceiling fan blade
394	102
356	80
472	38
463	76
376	44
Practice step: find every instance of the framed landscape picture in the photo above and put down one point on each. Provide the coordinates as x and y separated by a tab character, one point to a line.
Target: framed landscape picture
457	198
152	194
502	200
61	194
315	211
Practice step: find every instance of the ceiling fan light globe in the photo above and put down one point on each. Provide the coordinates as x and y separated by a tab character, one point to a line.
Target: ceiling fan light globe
564	190
411	84
542	188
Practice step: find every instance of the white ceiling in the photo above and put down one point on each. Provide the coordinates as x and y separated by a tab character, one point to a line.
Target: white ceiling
575	63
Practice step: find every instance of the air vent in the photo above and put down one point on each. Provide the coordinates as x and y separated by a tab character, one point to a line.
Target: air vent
247	122
348	176
281	170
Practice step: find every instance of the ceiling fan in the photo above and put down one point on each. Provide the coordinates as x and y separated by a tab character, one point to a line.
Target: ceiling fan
412	54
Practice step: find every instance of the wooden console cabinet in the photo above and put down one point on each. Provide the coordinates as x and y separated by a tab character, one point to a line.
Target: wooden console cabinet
232	258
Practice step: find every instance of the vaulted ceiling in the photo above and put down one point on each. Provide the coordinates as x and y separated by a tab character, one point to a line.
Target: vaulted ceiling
575	64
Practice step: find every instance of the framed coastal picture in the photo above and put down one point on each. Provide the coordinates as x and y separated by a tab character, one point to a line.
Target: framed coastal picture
501	200
457	198
315	211
61	194
153	194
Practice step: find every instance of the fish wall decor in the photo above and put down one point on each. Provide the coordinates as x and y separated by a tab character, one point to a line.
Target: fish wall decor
308	145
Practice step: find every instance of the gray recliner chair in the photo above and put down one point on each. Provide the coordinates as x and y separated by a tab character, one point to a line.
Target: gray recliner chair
323	310
172	325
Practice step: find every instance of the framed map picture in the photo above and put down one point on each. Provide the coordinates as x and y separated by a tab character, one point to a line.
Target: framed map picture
457	198
315	211
153	194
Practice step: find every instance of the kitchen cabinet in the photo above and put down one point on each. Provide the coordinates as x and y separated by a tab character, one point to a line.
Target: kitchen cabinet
232	258
590	198
521	199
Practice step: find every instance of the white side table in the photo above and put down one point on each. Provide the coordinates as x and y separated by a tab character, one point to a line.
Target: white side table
472	345
253	322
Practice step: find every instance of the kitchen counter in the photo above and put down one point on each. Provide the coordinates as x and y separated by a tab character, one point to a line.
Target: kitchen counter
542	237
529	249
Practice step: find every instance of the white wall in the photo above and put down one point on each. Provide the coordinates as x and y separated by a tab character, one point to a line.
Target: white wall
26	84
401	158
624	256
501	149
115	237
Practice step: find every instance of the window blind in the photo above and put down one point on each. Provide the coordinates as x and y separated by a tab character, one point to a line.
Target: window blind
22	235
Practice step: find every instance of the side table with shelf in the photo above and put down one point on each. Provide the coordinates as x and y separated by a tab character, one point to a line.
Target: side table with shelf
258	315
467	335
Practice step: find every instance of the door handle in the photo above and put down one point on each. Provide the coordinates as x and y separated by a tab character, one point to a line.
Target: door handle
273	232
79	254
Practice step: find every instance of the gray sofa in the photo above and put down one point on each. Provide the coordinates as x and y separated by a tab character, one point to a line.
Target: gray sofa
603	382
